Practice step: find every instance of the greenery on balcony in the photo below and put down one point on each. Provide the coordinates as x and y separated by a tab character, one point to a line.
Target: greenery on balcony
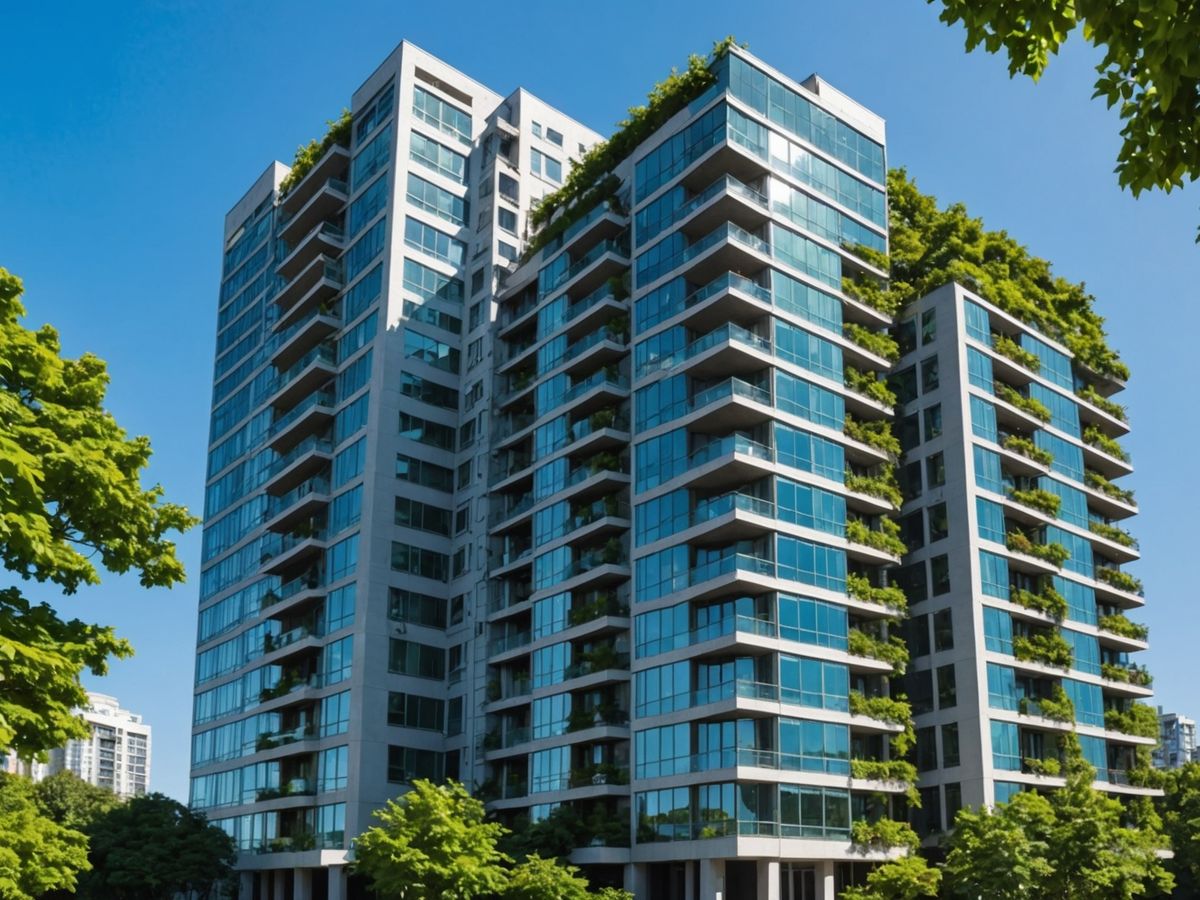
860	588
1029	405
894	770
1118	624
931	246
589	175
876	433
1104	486
602	604
884	486
1046	600
1057	706
1122	581
1127	674
1113	533
1019	542
886	539
885	709
1035	766
878	342
868	385
600	773
884	834
1094	437
1139	719
1028	449
1037	498
1092	396
1047	647
1006	346
338	132
892	651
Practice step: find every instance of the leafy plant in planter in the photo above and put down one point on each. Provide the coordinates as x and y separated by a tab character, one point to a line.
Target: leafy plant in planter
860	588
893	650
1118	624
307	156
1006	346
1102	442
1046	600
1049	766
878	342
1048	647
1028	449
886	539
1092	396
884	486
1102	484
869	385
1037	498
1122	581
876	433
1113	533
1030	405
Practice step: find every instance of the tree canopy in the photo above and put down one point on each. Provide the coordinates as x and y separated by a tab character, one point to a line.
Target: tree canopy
70	801
72	499
434	843
37	854
1180	810
153	848
1150	70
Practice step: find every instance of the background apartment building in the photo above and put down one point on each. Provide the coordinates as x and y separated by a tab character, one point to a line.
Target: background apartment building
116	755
598	525
1176	741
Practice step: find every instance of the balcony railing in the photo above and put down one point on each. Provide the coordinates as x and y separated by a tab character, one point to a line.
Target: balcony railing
306	446
317	398
728	231
731	387
730	332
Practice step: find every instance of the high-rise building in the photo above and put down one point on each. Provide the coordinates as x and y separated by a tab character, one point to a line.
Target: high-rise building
573	483
116	755
1176	741
1016	597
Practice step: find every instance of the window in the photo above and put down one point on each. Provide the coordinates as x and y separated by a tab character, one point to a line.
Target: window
933	422
906	336
935	468
429	240
929	374
428	391
414	711
415	608
425	431
419	561
429	350
554	137
507	220
947	687
939	570
939	523
335	714
437	157
546	166
928	326
333	766
908	433
909	476
436	200
926	749
418	471
904	384
943	630
950	755
420	660
421	516
406	764
429	284
443	116
1006	748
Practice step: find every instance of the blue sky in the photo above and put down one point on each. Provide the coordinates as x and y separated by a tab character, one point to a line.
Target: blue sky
130	130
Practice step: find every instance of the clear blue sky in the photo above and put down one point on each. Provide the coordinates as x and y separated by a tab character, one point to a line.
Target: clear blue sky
130	130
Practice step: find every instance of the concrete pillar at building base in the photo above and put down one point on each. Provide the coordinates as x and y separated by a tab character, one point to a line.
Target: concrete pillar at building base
245	886
337	882
279	883
302	884
768	879
712	879
825	880
635	879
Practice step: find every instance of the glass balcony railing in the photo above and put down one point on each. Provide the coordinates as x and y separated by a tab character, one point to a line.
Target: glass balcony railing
715	507
731	387
727	231
316	485
596	297
728	332
722	184
734	443
505	511
274	545
317	398
594	381
618	246
323	353
306	446
737	562
509	642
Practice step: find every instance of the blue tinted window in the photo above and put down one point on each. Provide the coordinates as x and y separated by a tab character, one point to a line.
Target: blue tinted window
993	574
991	520
983	419
997	630
1002	687
978	325
1006	746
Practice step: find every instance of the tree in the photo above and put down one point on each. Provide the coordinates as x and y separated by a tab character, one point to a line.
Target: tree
72	497
37	855
1180	810
153	848
1075	844
907	878
544	879
1150	70
433	843
71	802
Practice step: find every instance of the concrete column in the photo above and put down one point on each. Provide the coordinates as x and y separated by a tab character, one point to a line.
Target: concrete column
712	879
825	880
302	884
337	882
635	881
768	879
279	883
689	879
245	886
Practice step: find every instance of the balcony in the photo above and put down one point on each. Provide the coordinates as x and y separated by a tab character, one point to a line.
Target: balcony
295	593
602	347
740	460
333	164
726	298
602	388
323	203
730	405
588	313
280	552
309	372
302	502
508	512
602	222
726	350
728	248
725	200
324	239
315	326
310	416
299	463
318	283
607	259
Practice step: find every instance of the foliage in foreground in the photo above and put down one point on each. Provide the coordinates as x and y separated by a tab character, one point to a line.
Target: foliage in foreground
434	843
72	497
1150	70
37	854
